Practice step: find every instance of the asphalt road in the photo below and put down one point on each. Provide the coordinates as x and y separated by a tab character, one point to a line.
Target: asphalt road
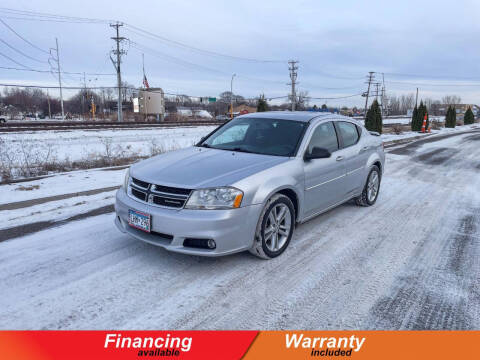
412	261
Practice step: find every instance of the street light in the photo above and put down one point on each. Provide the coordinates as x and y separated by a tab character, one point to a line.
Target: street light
231	96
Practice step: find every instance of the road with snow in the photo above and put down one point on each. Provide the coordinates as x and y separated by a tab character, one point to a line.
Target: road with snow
412	261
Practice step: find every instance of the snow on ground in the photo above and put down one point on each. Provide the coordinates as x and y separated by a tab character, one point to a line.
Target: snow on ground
408	262
59	184
55	210
411	134
78	145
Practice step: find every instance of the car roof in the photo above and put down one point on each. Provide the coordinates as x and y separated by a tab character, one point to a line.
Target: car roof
293	115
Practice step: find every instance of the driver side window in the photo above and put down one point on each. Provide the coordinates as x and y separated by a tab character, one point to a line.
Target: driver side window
324	136
232	134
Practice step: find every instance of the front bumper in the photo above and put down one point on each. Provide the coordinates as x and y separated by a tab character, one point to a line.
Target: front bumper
233	230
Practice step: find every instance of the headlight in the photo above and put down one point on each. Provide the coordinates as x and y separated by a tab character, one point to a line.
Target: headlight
216	198
126	181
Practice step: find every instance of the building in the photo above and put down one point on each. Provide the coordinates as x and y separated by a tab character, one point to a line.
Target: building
244	109
151	103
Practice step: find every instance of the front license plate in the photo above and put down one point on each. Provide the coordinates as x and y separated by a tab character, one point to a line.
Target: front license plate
139	220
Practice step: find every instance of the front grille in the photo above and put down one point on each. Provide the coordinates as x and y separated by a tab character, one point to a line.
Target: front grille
139	194
165	196
140	183
171	190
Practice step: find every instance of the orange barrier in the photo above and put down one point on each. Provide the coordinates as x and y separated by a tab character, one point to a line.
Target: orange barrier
369	345
424	123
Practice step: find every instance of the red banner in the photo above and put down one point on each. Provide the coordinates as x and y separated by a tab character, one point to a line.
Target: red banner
86	345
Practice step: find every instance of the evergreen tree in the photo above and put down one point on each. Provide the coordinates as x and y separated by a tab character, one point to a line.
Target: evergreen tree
468	118
414	118
373	121
451	117
422	111
262	104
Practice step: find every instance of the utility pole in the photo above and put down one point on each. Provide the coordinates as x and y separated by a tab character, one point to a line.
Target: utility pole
293	81
377	85
49	109
384	98
416	99
231	96
84	96
370	78
60	79
116	64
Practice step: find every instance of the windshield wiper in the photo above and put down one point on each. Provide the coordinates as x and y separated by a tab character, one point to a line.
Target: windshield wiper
243	150
206	146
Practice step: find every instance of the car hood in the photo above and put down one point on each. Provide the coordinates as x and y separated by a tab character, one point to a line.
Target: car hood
197	167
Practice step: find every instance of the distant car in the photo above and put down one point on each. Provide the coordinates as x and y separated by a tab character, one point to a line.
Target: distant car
30	117
222	118
246	185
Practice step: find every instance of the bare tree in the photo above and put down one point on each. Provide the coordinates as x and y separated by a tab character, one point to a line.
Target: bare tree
407	102
393	105
451	99
303	100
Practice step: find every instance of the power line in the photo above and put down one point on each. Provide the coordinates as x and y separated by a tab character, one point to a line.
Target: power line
21	52
21	37
143	32
333	98
14	61
439	77
63	72
34	15
428	84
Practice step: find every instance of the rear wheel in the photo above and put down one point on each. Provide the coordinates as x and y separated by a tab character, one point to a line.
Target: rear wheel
372	187
275	227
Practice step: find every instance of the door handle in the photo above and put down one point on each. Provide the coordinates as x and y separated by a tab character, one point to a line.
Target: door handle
365	148
339	158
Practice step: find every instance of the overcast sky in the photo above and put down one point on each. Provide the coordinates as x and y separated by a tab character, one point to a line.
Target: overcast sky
336	42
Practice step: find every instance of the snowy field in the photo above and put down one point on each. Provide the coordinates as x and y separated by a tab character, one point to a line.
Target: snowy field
79	144
409	262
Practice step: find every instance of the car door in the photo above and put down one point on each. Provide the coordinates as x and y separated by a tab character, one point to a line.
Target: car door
355	155
324	178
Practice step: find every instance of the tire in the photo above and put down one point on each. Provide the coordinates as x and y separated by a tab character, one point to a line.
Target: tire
366	198
263	244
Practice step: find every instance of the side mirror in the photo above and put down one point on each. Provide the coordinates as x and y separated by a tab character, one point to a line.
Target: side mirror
317	153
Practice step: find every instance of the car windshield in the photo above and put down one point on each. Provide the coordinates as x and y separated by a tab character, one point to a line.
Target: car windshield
260	136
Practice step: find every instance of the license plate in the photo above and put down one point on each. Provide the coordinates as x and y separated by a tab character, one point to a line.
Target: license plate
139	220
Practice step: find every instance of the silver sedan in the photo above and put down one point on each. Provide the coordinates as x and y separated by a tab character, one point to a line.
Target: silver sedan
247	184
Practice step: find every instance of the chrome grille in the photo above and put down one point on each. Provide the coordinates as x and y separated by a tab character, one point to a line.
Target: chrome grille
164	196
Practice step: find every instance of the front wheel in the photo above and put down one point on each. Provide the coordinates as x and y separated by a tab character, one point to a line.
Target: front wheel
275	227
372	187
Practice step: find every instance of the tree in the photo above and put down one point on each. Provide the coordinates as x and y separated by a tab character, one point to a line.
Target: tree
451	99
373	121
324	107
451	117
414	121
422	111
406	102
468	118
262	104
303	100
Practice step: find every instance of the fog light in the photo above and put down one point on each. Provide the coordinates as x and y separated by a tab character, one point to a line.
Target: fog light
211	244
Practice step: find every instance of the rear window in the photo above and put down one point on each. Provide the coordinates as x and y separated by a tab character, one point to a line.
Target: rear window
348	133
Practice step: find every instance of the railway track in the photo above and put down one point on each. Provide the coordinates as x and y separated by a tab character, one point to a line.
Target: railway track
91	125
